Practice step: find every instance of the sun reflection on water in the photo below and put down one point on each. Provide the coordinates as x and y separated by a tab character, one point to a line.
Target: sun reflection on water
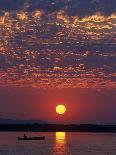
60	147
60	138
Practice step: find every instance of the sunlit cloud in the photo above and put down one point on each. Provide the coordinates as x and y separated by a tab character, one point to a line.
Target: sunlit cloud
37	14
59	51
22	15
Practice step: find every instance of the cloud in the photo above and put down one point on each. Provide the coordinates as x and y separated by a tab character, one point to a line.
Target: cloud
72	7
48	39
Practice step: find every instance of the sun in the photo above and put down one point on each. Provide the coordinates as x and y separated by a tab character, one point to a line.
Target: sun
60	109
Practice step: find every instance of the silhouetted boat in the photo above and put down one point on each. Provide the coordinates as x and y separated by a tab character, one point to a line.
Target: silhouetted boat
31	138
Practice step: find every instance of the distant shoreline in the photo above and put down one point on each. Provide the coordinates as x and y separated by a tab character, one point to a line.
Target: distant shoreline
57	127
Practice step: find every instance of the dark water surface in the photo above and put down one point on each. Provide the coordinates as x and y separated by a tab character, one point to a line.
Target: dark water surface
59	143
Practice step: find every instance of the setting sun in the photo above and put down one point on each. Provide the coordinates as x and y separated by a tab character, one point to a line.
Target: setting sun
60	109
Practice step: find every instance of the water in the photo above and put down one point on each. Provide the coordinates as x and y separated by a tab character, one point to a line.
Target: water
59	143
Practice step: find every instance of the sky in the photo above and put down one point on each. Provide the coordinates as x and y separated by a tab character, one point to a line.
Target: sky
58	52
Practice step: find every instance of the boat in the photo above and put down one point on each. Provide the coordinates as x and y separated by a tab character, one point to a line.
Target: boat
31	138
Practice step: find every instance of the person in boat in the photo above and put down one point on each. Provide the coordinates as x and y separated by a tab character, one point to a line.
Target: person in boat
25	136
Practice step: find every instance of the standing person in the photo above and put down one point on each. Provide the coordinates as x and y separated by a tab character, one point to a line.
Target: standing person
25	136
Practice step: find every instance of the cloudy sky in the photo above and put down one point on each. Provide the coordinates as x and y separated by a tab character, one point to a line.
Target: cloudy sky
60	45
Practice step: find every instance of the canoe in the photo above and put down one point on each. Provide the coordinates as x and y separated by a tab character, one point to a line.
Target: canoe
31	138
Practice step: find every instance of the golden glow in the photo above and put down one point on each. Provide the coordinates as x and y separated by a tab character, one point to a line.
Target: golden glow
60	146
2	20
22	15
60	137
61	140
60	109
37	14
95	18
61	16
